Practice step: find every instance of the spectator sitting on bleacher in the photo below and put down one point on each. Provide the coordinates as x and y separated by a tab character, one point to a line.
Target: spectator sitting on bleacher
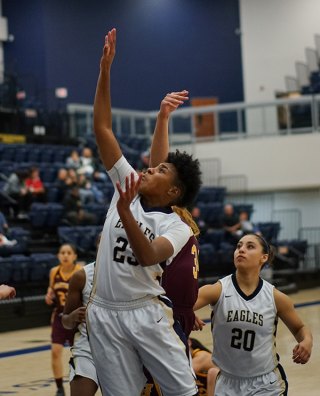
201	223
85	190
246	226
16	189
73	161
61	183
144	161
75	214
230	223
35	186
87	165
4	241
3	224
4	227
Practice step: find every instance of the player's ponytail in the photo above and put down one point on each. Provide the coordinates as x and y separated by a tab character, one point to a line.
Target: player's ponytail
186	216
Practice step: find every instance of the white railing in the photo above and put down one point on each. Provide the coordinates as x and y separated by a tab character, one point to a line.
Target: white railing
229	121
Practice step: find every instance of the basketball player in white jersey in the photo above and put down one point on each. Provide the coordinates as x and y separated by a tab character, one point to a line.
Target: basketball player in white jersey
246	309
128	322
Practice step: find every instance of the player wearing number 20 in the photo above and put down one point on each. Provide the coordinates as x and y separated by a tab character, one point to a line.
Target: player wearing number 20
246	309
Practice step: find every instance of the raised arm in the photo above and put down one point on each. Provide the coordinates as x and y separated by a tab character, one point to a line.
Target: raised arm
160	141
287	313
108	146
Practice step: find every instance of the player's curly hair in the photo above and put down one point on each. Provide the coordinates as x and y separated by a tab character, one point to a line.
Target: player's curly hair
188	177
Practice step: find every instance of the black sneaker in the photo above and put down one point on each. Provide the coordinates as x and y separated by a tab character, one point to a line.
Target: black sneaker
60	392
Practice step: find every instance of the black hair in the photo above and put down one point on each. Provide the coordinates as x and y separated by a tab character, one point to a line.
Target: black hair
195	344
73	247
266	247
188	177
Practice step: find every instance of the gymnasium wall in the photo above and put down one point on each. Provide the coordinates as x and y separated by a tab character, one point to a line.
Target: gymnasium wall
162	45
274	36
270	164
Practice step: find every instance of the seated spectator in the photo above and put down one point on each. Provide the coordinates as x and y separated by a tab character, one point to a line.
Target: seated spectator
87	165
74	211
73	161
85	190
201	223
144	160
4	227
246	226
35	186
3	224
16	189
4	241
66	179
230	223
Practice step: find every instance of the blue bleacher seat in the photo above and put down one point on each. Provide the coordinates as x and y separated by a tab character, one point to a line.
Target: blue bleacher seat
243	208
211	213
55	213
83	237
20	268
211	194
270	230
33	154
20	155
5	270
40	265
38	214
69	235
214	237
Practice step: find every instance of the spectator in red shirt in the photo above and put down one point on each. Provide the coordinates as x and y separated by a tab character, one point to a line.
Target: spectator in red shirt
35	185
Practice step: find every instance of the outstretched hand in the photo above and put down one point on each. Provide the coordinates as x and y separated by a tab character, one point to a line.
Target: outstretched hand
132	187
172	101
109	49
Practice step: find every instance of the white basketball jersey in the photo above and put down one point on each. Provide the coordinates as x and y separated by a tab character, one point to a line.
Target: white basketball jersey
244	329
119	277
81	345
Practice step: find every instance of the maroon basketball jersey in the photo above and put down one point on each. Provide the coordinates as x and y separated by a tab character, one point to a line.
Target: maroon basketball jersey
180	281
60	286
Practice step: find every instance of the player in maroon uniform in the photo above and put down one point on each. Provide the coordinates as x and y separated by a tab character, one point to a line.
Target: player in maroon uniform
56	295
180	278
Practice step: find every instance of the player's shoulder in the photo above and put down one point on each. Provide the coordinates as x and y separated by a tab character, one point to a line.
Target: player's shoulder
54	270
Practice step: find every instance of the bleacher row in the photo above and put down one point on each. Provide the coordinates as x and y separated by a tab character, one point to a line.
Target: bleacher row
50	156
216	254
19	269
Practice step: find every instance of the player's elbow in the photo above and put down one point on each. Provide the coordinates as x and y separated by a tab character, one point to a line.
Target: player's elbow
147	263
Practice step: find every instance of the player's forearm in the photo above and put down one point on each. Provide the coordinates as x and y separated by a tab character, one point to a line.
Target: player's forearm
102	116
140	244
160	142
304	334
